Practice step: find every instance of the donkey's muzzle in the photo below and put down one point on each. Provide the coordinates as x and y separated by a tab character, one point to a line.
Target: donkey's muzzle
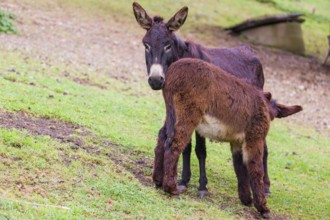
156	82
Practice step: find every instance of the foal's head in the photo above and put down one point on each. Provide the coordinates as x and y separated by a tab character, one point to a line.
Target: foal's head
161	45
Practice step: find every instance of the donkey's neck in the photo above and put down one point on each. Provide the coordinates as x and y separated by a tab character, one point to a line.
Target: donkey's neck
190	49
197	51
181	47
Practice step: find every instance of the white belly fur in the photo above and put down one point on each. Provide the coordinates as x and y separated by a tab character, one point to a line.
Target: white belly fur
212	128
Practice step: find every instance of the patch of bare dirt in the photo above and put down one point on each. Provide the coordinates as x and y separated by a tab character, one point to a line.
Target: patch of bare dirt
132	161
140	166
55	34
88	82
59	130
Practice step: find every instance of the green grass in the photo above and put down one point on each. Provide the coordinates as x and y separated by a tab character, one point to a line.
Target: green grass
6	23
108	114
298	160
106	191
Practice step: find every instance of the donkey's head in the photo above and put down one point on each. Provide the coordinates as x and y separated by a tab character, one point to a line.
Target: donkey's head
160	43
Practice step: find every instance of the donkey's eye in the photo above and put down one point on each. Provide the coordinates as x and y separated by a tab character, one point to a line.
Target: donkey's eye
147	47
167	48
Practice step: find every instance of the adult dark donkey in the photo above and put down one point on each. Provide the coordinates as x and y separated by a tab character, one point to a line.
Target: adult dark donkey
163	47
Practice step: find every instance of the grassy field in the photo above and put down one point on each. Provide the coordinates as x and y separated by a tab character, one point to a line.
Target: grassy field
46	178
298	158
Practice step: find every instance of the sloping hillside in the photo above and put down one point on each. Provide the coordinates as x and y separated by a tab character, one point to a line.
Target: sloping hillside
78	121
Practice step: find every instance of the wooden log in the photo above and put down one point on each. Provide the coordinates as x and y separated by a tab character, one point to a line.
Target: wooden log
266	20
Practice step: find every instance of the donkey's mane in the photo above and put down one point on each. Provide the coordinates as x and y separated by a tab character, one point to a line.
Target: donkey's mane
196	51
158	19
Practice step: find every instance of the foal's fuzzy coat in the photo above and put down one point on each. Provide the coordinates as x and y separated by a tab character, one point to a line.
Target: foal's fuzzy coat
199	96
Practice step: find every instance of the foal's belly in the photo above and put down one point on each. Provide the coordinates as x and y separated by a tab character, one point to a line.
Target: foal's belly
212	128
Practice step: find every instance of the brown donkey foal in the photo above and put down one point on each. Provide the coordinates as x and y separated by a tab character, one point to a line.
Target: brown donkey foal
199	96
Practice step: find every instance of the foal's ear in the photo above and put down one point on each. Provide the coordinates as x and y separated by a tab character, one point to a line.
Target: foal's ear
141	16
178	19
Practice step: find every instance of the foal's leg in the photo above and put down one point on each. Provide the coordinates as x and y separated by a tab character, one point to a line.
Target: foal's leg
253	158
171	157
175	144
201	155
186	172
242	175
266	177
158	171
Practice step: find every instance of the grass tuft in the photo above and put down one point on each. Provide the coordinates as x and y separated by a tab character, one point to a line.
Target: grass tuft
7	23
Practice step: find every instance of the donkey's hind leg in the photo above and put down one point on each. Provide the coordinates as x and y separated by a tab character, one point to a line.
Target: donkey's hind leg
158	172
186	172
266	177
242	174
253	159
200	150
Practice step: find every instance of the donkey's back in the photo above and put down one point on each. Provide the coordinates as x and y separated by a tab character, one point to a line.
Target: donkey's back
241	62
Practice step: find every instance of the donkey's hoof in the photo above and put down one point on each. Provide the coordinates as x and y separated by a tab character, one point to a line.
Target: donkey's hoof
267	193
158	185
181	188
266	215
246	202
203	193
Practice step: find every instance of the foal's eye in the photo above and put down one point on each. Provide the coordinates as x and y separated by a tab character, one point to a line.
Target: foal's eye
147	47
167	48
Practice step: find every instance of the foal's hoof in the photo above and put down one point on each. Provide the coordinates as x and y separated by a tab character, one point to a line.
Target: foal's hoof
203	193
266	215
181	188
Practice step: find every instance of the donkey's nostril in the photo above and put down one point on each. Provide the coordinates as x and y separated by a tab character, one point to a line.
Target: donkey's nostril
156	82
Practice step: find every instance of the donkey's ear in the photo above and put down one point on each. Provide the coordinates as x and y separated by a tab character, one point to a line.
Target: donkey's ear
268	95
178	19
141	16
285	111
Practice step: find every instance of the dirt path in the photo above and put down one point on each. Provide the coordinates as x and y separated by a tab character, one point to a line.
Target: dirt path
113	47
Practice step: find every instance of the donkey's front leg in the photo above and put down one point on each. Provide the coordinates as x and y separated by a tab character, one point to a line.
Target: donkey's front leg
186	172
200	150
171	158
173	148
158	171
